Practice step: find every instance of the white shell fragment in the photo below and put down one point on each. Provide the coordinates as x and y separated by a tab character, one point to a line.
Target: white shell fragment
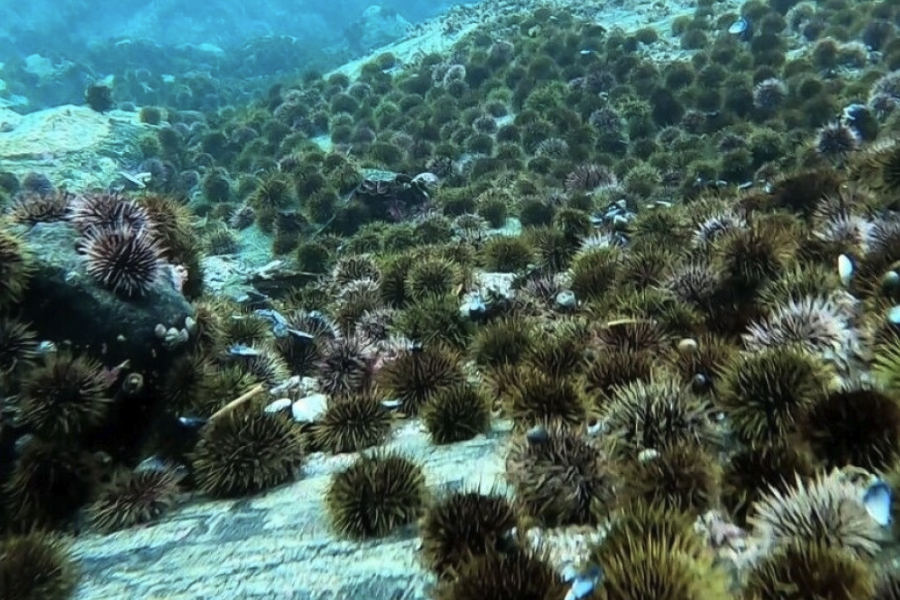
309	408
893	315
687	345
845	269
877	500
279	405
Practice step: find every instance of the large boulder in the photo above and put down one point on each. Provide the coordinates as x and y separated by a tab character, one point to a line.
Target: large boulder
67	306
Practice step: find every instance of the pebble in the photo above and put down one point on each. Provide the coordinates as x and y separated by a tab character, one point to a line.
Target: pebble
566	299
893	315
687	345
845	269
648	454
537	435
890	282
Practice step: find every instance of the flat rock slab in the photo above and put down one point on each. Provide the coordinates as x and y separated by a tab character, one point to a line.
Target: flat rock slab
280	545
72	145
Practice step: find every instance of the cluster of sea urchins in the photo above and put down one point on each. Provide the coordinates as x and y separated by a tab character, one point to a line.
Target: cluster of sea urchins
697	371
118	242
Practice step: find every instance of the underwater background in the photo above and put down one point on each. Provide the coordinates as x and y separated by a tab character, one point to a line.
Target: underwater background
510	299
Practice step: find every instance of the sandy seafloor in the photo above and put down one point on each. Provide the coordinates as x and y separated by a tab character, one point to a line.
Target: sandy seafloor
278	545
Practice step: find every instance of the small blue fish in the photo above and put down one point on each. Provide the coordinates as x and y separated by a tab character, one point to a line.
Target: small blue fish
242	350
877	500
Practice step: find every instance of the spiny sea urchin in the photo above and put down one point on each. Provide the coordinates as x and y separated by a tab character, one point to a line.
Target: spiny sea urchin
262	363
108	211
606	371
502	341
354	267
697	283
659	523
656	414
432	277
435	320
418	373
699	365
209	331
753	256
632	335
752	471
36	566
685	476
765	393
464	525
456	413
16	268
887	584
593	272
302	353
504	576
48	483
353	300
648	568
818	324
810	570
41	208
856	425
352	423
559	348
827	510
183	385
64	397
539	398
884	176
835	141
563	478
126	261
172	223
246	450
133	498
346	366
18	351
375	495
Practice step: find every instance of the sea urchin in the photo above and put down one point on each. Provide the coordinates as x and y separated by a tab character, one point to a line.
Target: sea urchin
133	498
375	495
36	566
126	261
464	525
246	450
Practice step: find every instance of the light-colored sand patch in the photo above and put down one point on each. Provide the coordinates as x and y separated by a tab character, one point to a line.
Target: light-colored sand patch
72	145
